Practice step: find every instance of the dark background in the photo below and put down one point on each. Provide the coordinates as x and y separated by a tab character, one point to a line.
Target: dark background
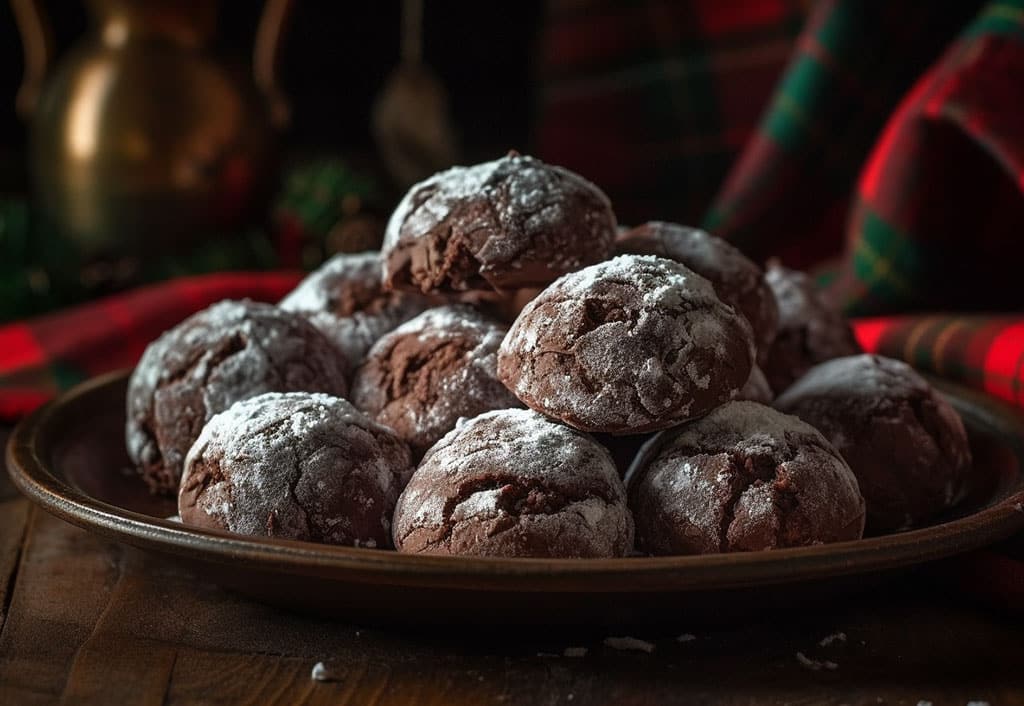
337	56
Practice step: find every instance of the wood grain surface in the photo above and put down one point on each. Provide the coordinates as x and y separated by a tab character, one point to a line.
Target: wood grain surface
88	622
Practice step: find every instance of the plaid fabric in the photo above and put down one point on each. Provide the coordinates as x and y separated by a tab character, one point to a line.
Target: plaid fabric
789	193
43	356
654	100
984	352
939	210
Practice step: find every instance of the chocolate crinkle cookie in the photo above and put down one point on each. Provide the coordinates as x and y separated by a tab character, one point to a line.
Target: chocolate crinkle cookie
511	223
737	279
634	344
296	466
743	478
810	330
430	371
228	352
346	300
511	483
905	443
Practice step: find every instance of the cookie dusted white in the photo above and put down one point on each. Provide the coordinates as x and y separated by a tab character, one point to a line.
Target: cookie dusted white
633	344
503	225
511	483
297	466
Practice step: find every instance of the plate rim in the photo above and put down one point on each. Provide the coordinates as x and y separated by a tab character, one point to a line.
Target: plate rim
30	474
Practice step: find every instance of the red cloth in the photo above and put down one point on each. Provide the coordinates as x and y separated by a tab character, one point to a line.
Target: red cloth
42	356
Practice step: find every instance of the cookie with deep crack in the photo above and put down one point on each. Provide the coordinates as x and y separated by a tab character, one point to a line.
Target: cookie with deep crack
295	466
736	278
743	478
224	353
905	443
810	330
511	483
631	345
346	300
430	371
508	224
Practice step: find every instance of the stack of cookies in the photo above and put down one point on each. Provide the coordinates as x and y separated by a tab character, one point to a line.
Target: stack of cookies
482	384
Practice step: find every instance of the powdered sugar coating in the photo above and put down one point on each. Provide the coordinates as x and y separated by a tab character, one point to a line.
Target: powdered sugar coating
345	299
633	344
511	223
743	478
905	443
737	280
426	374
513	483
296	465
230	351
810	330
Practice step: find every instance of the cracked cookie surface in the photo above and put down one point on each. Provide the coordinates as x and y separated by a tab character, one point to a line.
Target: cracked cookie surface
737	280
503	225
297	466
905	443
426	374
346	300
227	352
511	483
633	344
743	478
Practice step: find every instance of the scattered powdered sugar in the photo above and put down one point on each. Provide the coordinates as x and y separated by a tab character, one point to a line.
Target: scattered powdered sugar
629	643
834	637
321	672
815	665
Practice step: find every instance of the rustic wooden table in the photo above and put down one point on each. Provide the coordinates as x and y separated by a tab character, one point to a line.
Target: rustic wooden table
85	621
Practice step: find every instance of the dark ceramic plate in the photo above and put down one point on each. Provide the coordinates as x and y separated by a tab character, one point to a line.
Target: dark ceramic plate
69	458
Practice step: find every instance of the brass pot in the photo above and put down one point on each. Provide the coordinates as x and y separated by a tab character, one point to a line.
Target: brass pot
140	141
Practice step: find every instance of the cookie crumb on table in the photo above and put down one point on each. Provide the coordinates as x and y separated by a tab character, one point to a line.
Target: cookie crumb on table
629	643
834	637
815	665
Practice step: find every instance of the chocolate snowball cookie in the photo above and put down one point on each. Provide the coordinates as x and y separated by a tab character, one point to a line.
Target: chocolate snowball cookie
345	299
296	466
737	280
420	378
743	478
905	443
225	353
511	483
634	344
810	331
515	222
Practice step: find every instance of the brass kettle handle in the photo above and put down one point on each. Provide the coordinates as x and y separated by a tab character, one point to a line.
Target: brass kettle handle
266	56
37	44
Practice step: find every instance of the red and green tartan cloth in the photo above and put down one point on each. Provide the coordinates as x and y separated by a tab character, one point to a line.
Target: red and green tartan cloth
888	134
